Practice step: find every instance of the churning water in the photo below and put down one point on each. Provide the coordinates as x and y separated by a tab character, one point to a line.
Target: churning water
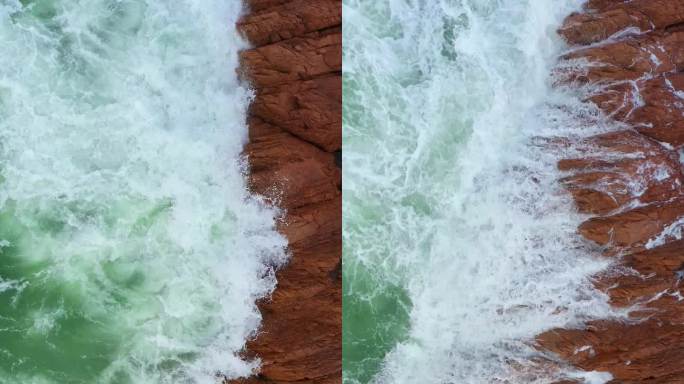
459	246
130	250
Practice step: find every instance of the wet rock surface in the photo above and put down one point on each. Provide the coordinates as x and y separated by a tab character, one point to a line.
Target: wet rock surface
628	56
295	139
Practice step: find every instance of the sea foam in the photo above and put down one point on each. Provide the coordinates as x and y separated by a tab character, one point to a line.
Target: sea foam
451	191
132	251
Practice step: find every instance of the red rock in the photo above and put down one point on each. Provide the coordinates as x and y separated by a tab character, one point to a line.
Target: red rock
648	352
310	110
275	20
260	5
636	80
291	172
298	183
620	170
300	337
294	128
628	59
587	28
609	17
650	273
634	228
653	106
660	117
646	347
295	59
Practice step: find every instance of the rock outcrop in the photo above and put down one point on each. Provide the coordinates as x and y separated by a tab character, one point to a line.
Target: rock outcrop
295	124
629	55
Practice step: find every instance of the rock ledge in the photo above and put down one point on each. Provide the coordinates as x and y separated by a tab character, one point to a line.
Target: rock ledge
295	131
630	182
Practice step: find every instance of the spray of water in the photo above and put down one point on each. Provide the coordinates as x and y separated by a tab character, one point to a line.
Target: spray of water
130	249
460	245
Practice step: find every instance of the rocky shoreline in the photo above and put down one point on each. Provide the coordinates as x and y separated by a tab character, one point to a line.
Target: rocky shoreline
629	181
295	124
631	57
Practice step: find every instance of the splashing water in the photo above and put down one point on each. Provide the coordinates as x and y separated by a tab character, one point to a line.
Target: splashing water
130	250
459	246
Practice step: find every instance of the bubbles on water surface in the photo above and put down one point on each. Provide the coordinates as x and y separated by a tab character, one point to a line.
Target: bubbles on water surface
449	196
131	250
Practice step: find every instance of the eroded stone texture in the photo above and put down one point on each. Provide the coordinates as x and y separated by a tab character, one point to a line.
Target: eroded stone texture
631	180
621	170
633	229
274	20
309	109
648	346
605	19
653	106
629	58
295	136
294	59
290	172
645	352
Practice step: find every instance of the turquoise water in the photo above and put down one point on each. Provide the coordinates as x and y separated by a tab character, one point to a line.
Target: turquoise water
130	250
459	246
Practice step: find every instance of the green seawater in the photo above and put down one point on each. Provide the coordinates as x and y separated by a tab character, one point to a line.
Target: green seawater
390	154
130	249
375	318
458	246
52	328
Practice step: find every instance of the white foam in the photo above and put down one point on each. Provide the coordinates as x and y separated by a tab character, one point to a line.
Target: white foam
585	348
673	231
593	377
447	196
124	121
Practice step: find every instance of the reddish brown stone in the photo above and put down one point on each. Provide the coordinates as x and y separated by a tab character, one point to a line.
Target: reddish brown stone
275	20
255	6
644	347
634	228
628	59
645	352
660	116
295	59
636	81
300	338
294	126
587	28
620	170
310	109
608	18
653	106
290	172
648	274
